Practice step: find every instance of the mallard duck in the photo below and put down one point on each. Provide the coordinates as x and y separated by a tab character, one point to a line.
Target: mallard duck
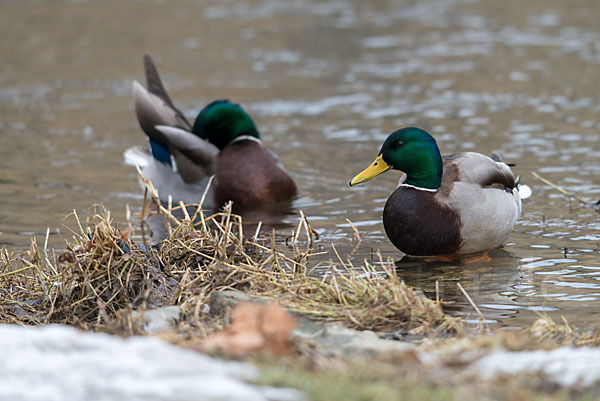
444	206
223	142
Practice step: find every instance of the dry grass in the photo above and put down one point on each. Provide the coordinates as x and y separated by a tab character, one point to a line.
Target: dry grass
97	275
543	334
550	333
102	274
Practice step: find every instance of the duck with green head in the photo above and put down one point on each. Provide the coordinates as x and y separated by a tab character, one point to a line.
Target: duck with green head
223	142
444	206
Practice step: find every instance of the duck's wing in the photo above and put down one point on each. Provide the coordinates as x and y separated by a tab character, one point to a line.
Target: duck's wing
152	110
481	192
169	132
156	87
195	158
477	169
153	107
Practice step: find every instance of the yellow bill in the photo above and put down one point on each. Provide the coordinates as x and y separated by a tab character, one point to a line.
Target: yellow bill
376	168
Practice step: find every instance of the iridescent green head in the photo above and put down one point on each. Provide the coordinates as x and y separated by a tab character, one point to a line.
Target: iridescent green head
412	151
221	122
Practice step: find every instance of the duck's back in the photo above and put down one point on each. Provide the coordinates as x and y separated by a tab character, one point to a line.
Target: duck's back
248	175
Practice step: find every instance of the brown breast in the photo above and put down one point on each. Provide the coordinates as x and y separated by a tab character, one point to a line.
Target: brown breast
249	177
418	225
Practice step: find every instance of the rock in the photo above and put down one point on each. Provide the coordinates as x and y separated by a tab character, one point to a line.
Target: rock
568	367
59	363
368	344
222	301
159	319
347	342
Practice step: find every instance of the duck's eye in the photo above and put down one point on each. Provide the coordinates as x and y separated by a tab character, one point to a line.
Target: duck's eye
398	144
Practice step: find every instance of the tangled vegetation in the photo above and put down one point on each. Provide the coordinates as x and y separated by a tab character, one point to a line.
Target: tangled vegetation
102	274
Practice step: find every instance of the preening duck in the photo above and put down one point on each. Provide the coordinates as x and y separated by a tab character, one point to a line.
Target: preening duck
223	142
444	206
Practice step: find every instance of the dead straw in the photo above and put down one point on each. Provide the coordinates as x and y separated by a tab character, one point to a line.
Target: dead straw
559	189
100	277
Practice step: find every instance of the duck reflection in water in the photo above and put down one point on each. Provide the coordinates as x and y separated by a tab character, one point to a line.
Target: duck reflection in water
492	287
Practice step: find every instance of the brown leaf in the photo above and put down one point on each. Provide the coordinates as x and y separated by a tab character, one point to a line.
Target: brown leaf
254	329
